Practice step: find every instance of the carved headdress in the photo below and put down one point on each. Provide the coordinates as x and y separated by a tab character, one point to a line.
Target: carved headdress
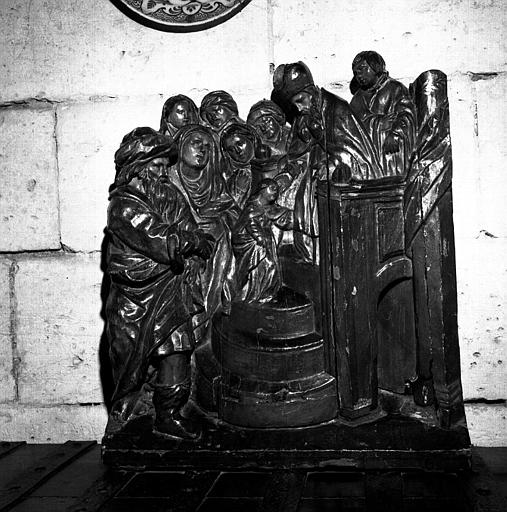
289	79
242	129
222	98
265	108
139	147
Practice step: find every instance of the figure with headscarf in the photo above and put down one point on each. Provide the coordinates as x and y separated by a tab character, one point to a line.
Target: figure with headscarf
215	211
387	111
268	119
255	245
238	143
177	112
153	256
218	109
329	137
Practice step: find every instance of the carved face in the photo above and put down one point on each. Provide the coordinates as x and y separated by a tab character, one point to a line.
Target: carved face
180	115
195	151
268	128
239	148
302	101
364	74
218	115
158	166
270	193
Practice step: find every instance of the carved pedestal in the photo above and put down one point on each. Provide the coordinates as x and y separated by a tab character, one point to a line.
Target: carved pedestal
273	366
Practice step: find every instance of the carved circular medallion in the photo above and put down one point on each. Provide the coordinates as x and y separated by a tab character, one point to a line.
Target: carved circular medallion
180	15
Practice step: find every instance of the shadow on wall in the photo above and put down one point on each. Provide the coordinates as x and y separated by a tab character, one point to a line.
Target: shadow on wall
106	375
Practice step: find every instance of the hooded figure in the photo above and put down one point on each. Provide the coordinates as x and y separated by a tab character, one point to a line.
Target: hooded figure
178	111
218	109
238	143
268	119
387	111
214	209
327	134
155	247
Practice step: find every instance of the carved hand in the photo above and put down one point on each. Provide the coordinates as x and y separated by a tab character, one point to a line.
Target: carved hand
205	244
177	262
391	144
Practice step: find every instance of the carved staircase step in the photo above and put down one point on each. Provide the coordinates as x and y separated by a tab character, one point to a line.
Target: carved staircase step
289	315
288	404
265	360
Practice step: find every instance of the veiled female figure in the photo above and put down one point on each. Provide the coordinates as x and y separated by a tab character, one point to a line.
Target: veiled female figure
218	109
238	143
215	211
386	109
178	111
268	119
255	246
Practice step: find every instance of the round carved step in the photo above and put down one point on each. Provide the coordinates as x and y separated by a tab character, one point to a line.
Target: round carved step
288	315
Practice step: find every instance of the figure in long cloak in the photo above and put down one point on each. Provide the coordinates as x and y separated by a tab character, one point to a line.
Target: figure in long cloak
238	143
335	142
268	119
215	212
386	109
152	261
255	246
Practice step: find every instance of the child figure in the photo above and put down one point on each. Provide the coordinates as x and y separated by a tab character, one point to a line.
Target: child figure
254	244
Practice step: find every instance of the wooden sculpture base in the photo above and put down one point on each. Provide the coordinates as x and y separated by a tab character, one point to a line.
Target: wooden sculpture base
406	438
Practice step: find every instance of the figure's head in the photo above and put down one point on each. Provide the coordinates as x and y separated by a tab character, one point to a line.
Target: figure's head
267	119
143	152
267	191
178	111
238	142
367	67
293	84
217	108
195	146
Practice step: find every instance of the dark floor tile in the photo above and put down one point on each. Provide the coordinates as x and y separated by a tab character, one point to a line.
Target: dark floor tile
334	485
383	491
241	485
332	505
45	504
169	484
438	485
147	505
230	505
433	505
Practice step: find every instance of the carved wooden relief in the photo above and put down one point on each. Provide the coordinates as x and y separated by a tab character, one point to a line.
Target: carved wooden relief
285	293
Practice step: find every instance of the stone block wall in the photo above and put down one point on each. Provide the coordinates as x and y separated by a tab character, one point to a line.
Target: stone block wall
77	76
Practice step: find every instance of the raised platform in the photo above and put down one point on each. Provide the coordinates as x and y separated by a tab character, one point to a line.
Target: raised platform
393	441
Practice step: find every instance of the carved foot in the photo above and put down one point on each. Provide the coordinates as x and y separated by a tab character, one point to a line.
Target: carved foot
168	401
175	425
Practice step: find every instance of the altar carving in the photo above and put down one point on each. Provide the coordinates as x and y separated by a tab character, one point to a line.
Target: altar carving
307	269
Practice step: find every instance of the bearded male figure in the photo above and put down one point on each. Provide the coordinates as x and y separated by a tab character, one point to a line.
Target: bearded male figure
152	261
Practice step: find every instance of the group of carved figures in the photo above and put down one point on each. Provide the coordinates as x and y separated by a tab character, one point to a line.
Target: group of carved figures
199	208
